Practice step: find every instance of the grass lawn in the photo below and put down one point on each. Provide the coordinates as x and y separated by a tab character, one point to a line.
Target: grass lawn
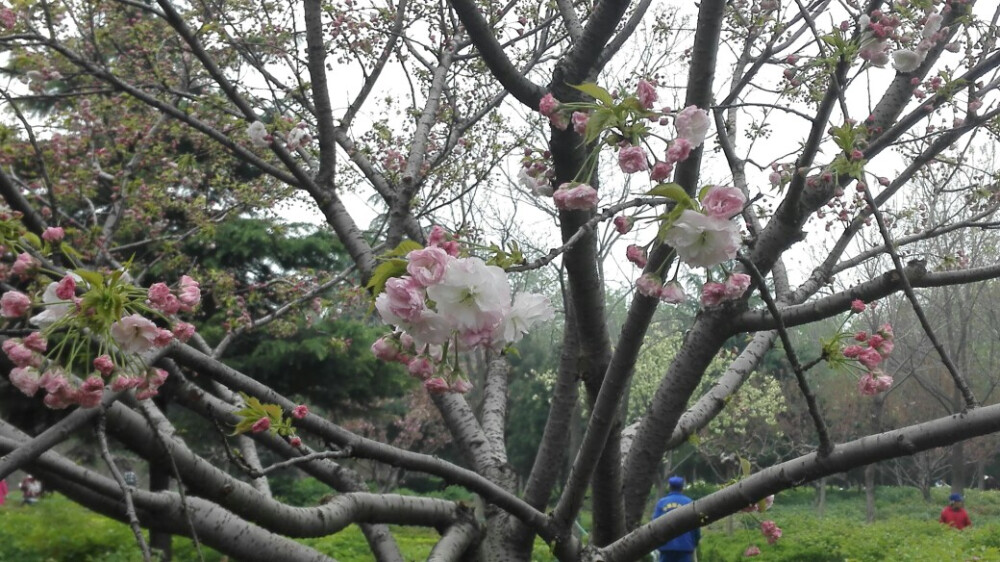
906	529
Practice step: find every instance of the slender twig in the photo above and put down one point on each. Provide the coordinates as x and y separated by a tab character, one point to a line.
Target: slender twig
584	229
825	446
956	375
133	519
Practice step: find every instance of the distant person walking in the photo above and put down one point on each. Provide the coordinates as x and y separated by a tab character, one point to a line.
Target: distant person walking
3	491
31	490
954	513
681	548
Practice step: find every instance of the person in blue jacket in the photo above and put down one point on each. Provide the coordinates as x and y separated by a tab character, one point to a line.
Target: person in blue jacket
681	548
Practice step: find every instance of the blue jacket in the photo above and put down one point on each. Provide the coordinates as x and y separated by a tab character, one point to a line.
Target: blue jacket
689	540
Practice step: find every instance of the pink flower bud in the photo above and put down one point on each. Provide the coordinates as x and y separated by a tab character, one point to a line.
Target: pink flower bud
263	424
623	224
104	365
66	288
300	411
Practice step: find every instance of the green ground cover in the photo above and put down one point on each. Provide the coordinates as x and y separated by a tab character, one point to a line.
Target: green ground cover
906	529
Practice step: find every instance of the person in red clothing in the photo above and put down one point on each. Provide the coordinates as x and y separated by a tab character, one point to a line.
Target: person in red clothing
954	514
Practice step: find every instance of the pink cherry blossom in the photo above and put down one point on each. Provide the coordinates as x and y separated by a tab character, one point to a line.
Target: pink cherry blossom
157	295
183	331
104	365
295	441
385	349
548	105
770	530
20	355
163	337
869	358
646	93
632	159
713	294
636	255
420	367
581	197
436	385
736	285
427	265
751	551
861	335
672	293
875	341
134	333
679	151
723	202
66	288
661	170
190	294
692	124
649	285
857	306
53	234
25	379
623	224
53	380
461	386
14	304
703	241
23	264
852	351
300	411
402	301
868	385
580	120
35	342
263	424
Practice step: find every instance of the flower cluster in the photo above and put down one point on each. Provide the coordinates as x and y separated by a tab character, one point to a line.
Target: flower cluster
770	531
80	306
871	350
446	303
879	28
710	237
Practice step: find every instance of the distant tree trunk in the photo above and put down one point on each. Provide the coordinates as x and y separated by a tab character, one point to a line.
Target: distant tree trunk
159	480
870	493
981	472
821	497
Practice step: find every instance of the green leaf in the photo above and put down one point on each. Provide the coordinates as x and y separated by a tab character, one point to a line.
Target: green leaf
599	120
404	247
672	191
33	239
745	467
69	251
594	91
93	278
385	271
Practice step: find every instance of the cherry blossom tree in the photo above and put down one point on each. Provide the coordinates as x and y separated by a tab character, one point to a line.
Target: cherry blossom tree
775	157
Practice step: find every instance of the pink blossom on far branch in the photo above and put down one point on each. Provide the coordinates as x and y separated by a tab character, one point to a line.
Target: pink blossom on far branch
300	411
636	255
53	234
646	93
623	224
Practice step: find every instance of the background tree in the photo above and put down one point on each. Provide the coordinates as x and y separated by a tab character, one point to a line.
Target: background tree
156	124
